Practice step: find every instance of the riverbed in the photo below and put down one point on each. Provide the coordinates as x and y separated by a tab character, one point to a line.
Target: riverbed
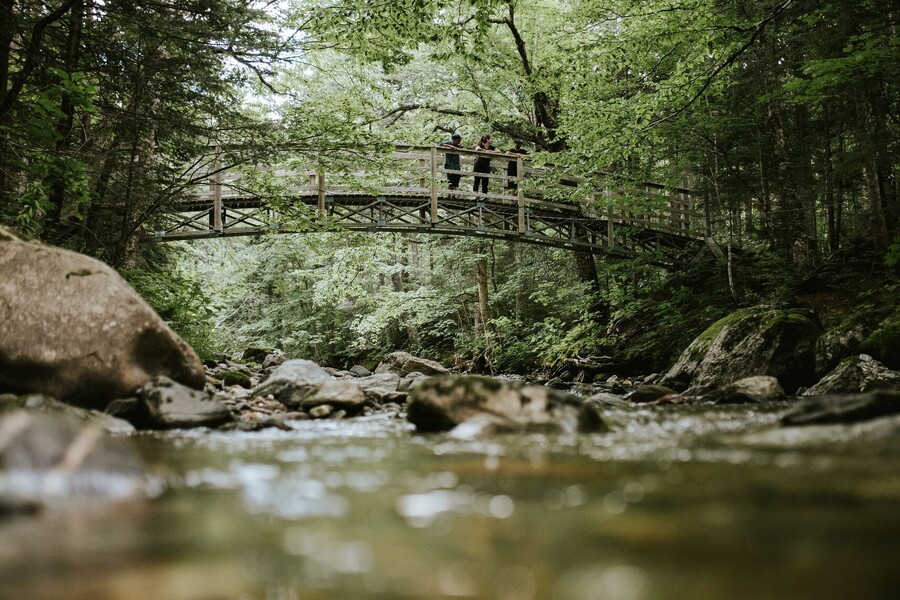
680	502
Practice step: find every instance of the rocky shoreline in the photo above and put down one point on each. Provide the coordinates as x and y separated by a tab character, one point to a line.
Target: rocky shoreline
92	359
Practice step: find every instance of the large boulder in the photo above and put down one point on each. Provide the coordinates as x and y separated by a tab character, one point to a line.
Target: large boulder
444	403
856	374
72	328
403	363
754	341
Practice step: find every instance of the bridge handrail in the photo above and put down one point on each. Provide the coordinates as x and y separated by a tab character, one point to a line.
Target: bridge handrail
423	166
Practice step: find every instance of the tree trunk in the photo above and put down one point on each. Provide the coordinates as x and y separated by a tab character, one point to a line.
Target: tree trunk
483	317
6	38
67	108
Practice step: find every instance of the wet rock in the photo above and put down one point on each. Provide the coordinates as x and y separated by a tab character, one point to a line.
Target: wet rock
273	360
656	394
557	383
172	405
321	412
850	408
72	328
256	354
381	387
856	374
235	377
360	371
46	457
411	381
755	341
403	363
46	404
602	400
338	373
760	388
337	393
837	344
446	402
827	435
292	380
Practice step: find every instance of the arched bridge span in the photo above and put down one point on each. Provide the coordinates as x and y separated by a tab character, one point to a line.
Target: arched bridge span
408	192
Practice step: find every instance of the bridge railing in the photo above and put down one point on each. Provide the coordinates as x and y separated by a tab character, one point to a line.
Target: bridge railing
421	172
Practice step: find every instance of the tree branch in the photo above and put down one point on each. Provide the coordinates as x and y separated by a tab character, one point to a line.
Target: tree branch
727	63
31	56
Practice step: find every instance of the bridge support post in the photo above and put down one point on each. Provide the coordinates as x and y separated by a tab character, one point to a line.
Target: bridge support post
434	186
610	232
321	193
215	183
520	193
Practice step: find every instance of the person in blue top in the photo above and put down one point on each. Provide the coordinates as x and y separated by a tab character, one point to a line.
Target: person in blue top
451	161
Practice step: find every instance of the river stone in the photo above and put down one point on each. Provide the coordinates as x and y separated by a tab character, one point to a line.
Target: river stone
72	328
46	404
410	381
172	405
603	400
360	371
759	388
381	387
403	363
346	394
53	456
856	374
234	377
257	355
442	403
293	378
849	408
659	394
838	343
753	341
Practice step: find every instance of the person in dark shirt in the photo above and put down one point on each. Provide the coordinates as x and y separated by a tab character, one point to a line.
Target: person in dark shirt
483	163
512	169
451	161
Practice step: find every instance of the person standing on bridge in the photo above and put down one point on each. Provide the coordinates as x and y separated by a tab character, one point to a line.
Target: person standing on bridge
451	161
512	170
483	163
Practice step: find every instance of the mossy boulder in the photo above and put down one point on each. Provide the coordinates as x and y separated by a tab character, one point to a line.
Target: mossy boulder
854	375
235	377
752	341
883	344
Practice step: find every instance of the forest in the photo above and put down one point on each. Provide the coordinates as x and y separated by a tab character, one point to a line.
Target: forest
781	115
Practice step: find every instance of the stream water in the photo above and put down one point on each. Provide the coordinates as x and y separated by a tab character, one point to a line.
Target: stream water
673	503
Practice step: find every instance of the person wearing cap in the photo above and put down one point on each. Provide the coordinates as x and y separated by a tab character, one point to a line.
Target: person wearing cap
451	161
512	170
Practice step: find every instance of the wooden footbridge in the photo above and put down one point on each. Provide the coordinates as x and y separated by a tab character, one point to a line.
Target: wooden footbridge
408	192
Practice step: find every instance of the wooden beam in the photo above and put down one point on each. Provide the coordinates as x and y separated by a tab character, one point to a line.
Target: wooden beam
434	186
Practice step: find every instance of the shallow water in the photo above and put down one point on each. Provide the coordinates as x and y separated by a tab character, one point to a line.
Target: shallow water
672	504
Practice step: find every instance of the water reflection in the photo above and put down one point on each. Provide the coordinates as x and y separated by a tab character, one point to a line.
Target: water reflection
667	505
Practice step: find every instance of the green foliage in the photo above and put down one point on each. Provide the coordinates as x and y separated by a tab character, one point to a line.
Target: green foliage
182	304
892	259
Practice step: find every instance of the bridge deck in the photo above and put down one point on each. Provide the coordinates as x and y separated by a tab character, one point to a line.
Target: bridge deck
409	194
